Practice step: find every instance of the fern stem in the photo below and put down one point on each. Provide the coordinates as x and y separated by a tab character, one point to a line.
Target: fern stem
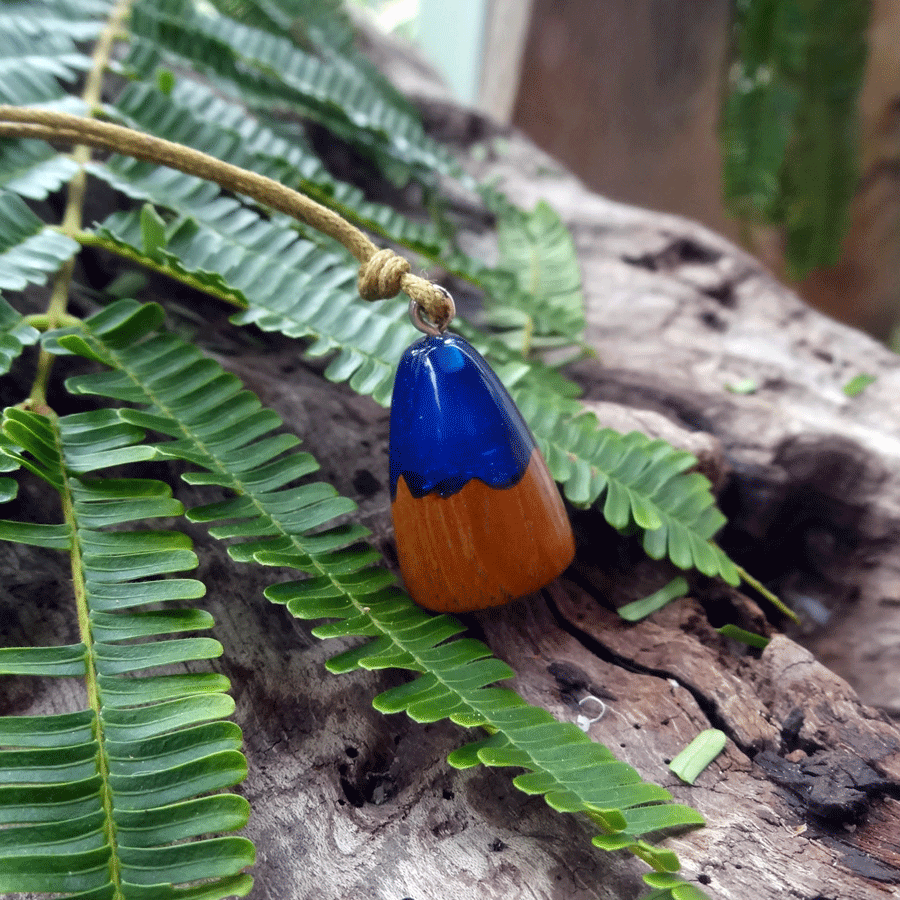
92	686
56	313
74	211
382	275
760	588
59	296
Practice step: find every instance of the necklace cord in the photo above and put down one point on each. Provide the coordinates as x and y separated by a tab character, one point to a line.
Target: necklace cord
382	272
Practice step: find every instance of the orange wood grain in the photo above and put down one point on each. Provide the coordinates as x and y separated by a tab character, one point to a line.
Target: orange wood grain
482	547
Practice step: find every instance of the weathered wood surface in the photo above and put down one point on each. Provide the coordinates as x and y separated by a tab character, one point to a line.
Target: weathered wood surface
351	805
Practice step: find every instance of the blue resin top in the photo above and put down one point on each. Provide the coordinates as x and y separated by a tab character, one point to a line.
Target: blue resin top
452	421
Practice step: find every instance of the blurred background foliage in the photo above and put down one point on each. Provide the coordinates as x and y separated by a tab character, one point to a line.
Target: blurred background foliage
775	122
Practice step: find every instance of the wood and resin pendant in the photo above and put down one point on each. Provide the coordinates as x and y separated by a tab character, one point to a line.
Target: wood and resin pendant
477	516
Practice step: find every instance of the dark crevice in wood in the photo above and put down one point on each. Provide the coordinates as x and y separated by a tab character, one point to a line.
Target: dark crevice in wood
595	647
679	252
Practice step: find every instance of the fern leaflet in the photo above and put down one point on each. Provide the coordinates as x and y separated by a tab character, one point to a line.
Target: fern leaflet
15	335
109	801
30	251
193	115
259	68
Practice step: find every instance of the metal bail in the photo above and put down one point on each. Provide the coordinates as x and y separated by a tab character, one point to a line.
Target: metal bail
425	325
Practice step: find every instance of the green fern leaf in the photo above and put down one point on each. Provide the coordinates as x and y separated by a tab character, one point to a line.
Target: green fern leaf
759	113
56	54
289	285
258	68
33	169
821	167
321	26
30	251
789	122
279	523
38	42
15	335
193	115
537	252
640	481
671	887
104	802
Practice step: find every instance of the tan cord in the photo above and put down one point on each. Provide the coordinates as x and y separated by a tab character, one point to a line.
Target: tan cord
382	274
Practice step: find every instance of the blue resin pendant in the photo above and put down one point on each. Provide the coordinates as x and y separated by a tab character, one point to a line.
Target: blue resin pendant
477	516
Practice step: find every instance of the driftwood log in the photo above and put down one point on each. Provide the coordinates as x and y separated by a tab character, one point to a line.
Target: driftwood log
805	800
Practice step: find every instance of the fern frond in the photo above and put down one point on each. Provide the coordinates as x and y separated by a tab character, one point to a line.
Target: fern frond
30	251
288	285
37	47
758	115
193	115
260	68
538	257
640	481
789	125
106	801
322	27
220	428
37	51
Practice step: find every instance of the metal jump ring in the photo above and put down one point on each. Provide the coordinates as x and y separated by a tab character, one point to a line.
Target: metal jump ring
426	326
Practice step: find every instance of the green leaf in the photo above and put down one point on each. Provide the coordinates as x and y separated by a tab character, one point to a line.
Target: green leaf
745	637
136	759
744	386
153	231
165	81
55	537
701	751
759	114
821	169
289	285
537	251
15	335
858	383
55	661
789	123
197	116
260	69
640	481
278	519
640	609
8	489
671	887
30	251
27	439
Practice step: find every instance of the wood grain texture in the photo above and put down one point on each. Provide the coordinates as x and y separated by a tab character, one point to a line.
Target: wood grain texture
482	546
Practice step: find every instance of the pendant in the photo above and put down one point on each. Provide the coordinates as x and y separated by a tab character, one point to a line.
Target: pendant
477	516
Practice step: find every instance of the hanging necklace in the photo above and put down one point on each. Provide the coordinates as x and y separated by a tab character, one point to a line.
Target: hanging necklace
477	516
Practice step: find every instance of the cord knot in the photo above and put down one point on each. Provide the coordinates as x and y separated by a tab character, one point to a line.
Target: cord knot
381	277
